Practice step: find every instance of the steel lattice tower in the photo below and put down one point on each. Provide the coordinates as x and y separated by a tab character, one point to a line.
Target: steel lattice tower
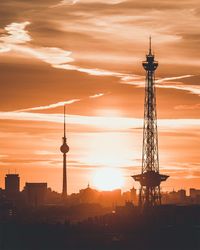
64	149
150	178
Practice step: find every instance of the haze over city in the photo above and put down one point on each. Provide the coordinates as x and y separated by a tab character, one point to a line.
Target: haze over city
87	55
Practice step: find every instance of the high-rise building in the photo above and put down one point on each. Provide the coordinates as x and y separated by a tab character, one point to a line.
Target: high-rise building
35	194
12	185
134	198
150	178
194	192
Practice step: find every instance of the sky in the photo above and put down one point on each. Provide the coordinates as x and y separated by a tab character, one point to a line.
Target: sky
87	55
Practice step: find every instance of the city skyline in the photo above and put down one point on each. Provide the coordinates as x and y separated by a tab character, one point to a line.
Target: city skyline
92	64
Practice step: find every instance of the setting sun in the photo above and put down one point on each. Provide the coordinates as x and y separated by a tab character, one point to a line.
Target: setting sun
108	179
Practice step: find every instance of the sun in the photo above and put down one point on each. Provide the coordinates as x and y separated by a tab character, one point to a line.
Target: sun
108	179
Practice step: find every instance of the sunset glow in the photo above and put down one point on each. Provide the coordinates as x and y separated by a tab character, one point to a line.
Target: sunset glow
99	124
108	179
89	58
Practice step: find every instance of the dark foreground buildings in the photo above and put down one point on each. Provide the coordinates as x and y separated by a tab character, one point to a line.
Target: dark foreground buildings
38	219
162	228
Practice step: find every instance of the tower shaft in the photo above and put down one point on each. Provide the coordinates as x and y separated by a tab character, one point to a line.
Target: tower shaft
150	177
150	160
64	189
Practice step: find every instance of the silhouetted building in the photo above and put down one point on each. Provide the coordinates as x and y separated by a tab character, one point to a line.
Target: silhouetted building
104	198
194	192
7	210
134	197
126	196
182	195
12	185
35	194
88	195
129	196
175	197
195	195
110	198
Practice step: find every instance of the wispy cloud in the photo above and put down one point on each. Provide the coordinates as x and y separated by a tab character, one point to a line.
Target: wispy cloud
50	55
17	37
193	89
51	106
173	78
163	83
4	49
188	107
65	2
139	81
97	95
16	33
58	104
90	71
72	2
101	122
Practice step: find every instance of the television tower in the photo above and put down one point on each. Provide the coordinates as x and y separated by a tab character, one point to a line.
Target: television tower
150	178
64	149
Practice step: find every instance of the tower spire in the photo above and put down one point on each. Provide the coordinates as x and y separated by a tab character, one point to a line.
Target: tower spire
64	149
149	45
150	178
64	122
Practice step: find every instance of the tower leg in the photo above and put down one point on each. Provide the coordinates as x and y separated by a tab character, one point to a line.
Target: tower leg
149	196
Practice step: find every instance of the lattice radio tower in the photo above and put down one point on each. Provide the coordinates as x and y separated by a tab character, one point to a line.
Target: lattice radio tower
150	178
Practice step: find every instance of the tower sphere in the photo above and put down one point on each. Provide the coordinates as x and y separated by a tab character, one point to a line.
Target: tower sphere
64	148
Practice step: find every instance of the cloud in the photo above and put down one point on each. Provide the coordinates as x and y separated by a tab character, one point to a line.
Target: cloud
51	106
163	83
16	33
17	38
140	80
188	107
97	95
72	2
102	122
193	89
173	78
53	56
4	49
65	2
97	121
89	71
56	57
58	104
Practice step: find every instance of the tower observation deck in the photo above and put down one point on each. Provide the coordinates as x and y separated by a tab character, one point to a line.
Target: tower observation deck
150	178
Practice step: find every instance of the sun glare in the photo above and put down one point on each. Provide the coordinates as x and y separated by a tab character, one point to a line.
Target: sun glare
108	179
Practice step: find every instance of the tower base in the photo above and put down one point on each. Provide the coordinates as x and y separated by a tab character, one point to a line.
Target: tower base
150	195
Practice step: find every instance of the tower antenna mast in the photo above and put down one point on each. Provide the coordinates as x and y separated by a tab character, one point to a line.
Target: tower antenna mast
150	178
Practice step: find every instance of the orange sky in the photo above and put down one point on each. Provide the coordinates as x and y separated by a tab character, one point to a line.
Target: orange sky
88	54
